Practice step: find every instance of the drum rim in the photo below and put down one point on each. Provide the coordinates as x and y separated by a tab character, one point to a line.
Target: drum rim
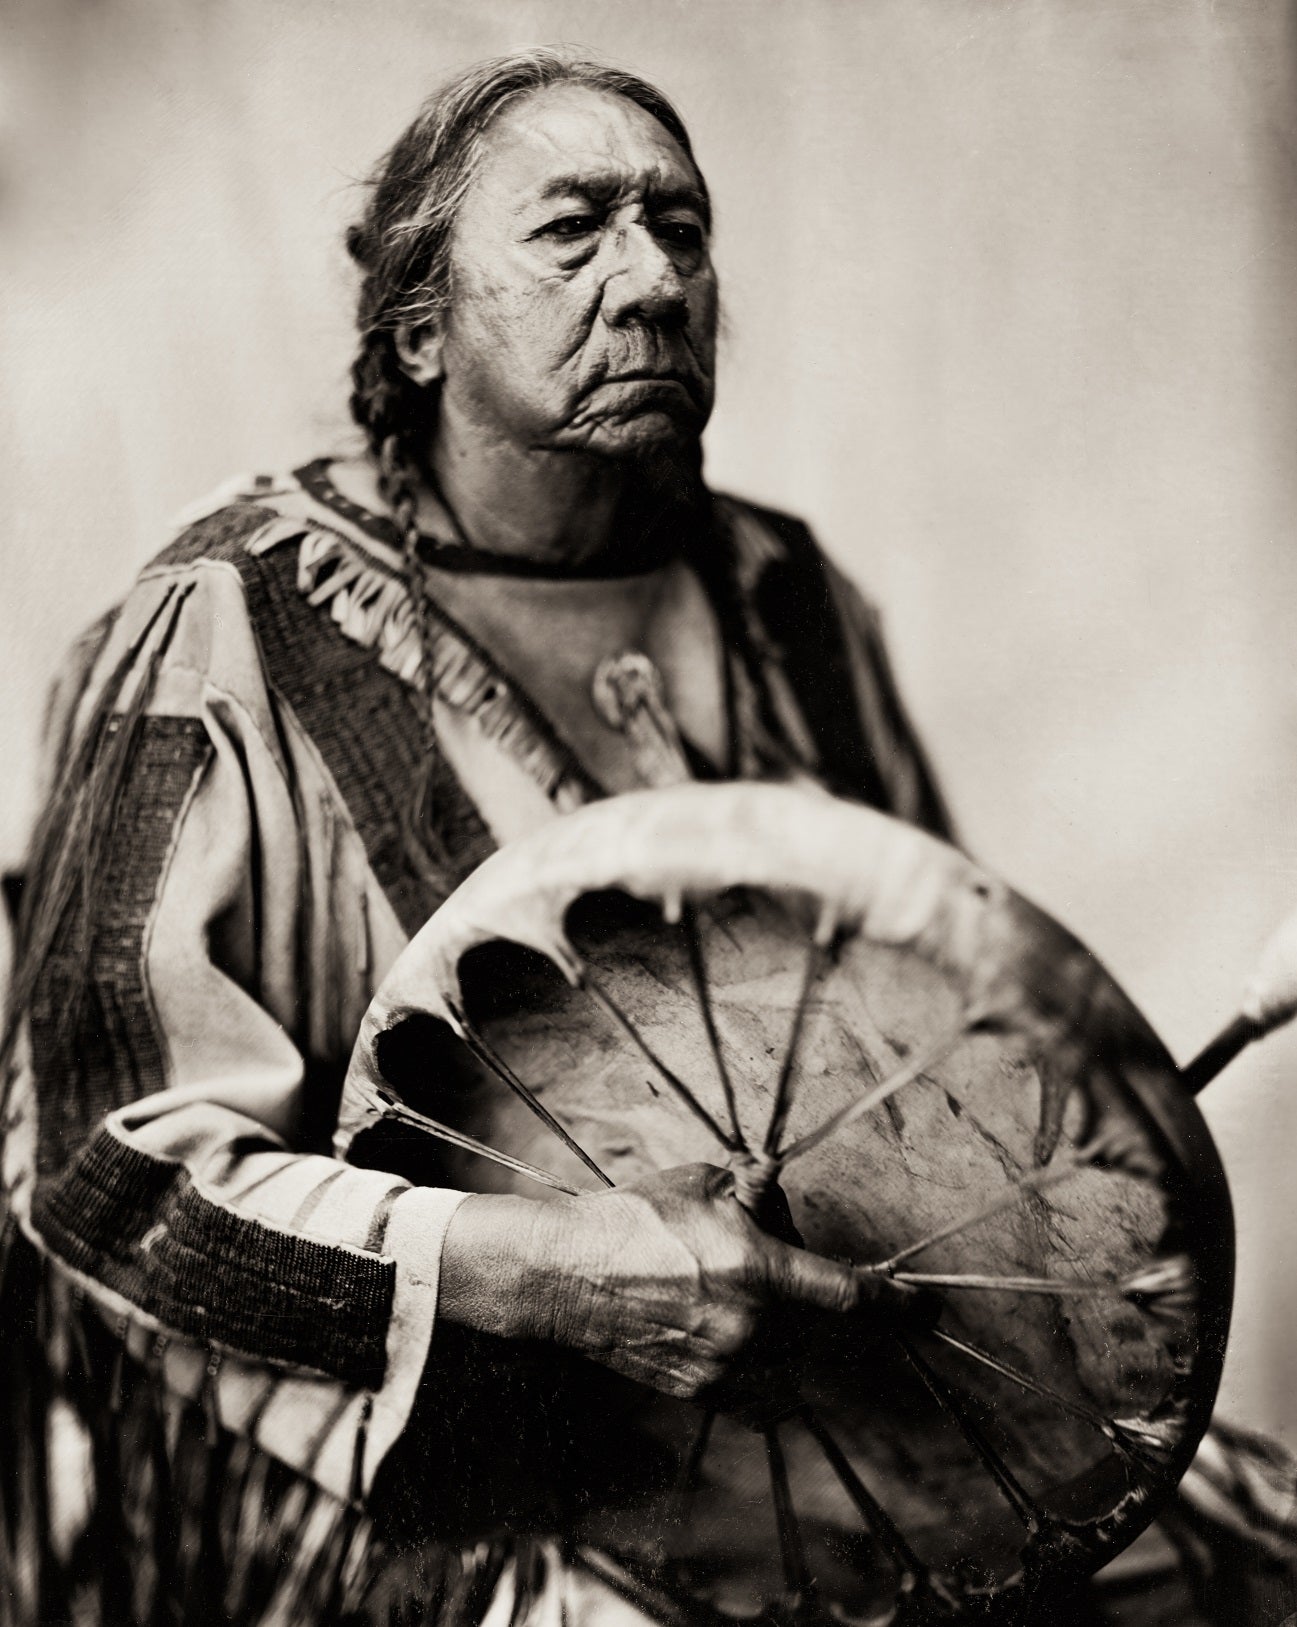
1175	1120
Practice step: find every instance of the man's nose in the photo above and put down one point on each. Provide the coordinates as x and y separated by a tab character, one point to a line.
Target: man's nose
644	283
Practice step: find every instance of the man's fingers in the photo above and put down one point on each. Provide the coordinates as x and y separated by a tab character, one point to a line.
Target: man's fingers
811	1279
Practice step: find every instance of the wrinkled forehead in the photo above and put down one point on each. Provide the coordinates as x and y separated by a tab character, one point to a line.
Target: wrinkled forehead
569	139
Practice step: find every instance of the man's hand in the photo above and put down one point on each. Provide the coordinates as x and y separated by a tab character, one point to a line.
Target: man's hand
668	1280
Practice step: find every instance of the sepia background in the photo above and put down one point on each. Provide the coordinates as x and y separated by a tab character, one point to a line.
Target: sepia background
1011	318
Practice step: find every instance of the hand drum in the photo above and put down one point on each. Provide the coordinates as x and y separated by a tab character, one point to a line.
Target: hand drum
945	1086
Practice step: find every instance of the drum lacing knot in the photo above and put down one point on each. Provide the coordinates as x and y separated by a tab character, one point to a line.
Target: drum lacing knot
756	1186
754	1174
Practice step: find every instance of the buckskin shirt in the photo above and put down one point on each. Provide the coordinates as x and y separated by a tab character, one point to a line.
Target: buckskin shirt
209	1310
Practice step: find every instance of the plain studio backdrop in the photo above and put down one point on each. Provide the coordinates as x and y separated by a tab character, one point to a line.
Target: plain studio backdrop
1011	319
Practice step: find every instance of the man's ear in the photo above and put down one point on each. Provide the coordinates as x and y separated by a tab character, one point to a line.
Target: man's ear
418	349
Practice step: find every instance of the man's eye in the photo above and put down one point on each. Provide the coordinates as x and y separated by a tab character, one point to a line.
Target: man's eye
681	234
570	226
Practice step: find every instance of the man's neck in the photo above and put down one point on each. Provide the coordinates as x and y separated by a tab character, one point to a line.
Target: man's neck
552	507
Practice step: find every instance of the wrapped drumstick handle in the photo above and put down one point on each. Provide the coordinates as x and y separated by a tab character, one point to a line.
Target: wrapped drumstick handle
1269	1002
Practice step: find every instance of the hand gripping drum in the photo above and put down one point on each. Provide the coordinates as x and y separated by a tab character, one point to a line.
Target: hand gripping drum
944	1086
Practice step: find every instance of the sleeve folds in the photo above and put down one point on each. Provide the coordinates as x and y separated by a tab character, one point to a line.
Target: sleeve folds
174	1089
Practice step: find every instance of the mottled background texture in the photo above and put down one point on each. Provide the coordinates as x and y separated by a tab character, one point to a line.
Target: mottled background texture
1011	293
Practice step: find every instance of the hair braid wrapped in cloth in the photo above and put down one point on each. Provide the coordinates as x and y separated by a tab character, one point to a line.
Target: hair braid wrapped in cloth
376	404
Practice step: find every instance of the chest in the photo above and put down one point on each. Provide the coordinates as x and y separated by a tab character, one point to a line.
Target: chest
551	636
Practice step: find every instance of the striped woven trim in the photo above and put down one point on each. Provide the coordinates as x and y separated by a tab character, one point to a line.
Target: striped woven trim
137	1225
93	1034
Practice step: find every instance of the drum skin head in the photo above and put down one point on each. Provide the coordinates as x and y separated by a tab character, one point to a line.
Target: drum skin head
949	1089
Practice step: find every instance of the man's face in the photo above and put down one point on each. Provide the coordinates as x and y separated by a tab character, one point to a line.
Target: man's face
583	296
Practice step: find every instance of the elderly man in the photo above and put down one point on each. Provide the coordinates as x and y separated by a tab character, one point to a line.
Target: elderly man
329	698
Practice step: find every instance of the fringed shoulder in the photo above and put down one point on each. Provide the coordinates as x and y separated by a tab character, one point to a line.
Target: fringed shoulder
365	598
352	577
267	525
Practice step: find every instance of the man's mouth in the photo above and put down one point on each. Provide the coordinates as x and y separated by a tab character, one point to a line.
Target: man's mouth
639	387
656	378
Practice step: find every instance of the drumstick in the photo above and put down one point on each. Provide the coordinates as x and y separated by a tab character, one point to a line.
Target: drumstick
1269	1001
